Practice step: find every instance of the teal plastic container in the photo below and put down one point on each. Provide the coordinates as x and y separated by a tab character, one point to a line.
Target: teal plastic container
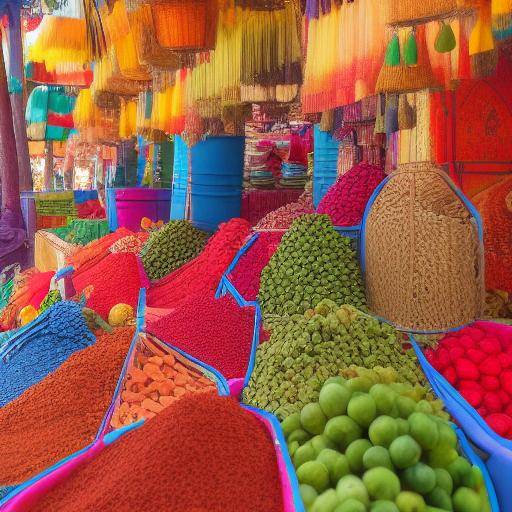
179	179
216	181
325	163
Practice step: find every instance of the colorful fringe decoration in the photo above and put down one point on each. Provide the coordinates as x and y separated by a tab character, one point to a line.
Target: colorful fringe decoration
128	119
501	18
63	74
345	50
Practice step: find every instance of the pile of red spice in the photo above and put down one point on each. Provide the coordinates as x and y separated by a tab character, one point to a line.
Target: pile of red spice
477	360
202	274
246	275
203	453
115	279
283	217
346	200
218	332
92	253
63	413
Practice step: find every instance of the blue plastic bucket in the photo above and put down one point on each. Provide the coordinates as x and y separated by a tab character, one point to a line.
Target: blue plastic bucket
179	180
216	181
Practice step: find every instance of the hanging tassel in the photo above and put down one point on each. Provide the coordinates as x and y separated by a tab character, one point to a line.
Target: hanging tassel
411	50
393	52
502	18
96	41
445	40
482	50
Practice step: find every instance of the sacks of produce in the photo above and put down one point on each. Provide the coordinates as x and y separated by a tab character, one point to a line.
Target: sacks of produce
312	262
28	357
477	361
424	259
170	247
305	350
203	453
374	444
63	413
346	200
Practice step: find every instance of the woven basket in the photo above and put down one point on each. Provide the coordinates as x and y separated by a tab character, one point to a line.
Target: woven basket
423	254
412	12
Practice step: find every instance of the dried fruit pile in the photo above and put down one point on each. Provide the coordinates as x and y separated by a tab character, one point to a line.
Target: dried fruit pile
369	444
155	380
170	247
305	350
202	274
202	453
283	217
218	332
477	360
62	413
346	200
312	262
130	243
247	273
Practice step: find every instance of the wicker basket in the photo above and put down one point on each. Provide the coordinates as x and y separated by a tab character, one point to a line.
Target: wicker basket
412	12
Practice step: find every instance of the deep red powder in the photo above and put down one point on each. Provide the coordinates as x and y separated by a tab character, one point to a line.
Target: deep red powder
202	274
202	454
246	275
217	332
346	200
115	279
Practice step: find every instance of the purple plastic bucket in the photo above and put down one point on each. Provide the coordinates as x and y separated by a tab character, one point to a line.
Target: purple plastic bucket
132	204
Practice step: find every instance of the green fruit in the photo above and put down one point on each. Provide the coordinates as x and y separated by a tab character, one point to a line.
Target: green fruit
444	480
438	497
299	435
460	470
334	400
424	430
352	487
377	456
290	424
363	384
404	451
447	435
406	406
303	454
320	443
402	425
326	502
420	478
381	483
384	398
383	431
335	380
342	430
466	500
362	410
408	501
312	418
424	406
293	447
383	506
355	452
314	473
308	494
336	464
442	456
350	505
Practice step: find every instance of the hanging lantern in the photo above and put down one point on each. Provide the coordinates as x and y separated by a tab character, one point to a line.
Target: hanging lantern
185	24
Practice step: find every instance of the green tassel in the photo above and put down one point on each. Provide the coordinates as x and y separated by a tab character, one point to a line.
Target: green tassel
445	40
411	50
393	52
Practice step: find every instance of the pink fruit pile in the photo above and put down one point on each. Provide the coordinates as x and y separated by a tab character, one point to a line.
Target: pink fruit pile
346	200
283	217
477	361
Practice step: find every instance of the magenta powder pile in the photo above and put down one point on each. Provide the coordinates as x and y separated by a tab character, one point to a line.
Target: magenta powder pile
246	275
346	200
218	332
283	217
